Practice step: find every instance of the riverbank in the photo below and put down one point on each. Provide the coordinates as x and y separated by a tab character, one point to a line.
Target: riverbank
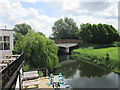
107	57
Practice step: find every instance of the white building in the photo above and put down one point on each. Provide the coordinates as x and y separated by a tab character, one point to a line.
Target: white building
6	42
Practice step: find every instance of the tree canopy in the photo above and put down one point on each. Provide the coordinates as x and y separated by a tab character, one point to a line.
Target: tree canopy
98	33
21	29
65	29
39	51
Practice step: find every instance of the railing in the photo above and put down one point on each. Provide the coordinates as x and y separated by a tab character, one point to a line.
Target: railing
67	41
9	73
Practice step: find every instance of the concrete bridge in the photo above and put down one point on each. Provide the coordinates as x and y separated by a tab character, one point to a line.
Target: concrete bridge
67	43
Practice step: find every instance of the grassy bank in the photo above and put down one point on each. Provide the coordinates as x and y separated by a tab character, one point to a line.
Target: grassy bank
105	56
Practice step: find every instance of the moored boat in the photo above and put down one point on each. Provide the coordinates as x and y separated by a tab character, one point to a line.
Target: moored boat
58	81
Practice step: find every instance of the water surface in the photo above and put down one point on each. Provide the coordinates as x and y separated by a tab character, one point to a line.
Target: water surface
80	74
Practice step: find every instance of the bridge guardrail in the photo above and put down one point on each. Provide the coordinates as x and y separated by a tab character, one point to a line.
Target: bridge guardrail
67	41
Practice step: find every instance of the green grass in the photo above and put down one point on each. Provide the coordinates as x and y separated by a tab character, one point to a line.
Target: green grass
112	51
98	56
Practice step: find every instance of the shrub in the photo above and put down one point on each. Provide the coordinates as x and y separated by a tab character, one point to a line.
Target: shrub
116	44
26	67
40	73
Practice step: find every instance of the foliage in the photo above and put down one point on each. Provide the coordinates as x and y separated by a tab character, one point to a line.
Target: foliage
39	50
95	46
107	59
26	67
98	33
65	29
40	73
116	44
41	33
18	48
21	29
105	56
85	32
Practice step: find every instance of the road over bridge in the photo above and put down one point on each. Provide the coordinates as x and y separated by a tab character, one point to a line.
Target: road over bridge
67	43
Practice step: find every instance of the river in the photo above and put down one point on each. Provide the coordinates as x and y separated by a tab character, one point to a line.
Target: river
80	74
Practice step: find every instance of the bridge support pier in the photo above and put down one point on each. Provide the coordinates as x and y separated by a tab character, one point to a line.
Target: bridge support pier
67	50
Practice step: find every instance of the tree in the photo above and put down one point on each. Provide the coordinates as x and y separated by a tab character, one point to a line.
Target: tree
102	33
98	33
85	33
41	33
65	29
95	33
113	34
22	29
39	51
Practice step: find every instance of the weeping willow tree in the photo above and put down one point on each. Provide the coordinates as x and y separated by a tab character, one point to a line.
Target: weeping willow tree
39	51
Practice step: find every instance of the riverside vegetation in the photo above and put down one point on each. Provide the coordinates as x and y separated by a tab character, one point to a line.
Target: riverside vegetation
107	57
100	45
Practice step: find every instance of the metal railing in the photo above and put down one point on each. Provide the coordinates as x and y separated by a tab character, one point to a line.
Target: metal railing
9	73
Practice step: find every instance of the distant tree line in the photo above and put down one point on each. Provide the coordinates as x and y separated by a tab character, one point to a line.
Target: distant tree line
98	33
90	33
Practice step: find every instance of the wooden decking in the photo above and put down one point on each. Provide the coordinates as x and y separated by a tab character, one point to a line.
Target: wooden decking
7	60
31	75
37	83
31	79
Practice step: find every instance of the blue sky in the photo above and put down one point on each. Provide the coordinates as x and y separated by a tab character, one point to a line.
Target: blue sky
46	8
41	14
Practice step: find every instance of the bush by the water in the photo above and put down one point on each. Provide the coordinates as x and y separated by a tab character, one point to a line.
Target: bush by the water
40	73
94	46
26	67
39	51
116	44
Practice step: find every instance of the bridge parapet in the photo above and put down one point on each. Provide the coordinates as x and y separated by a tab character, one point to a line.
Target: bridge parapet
67	41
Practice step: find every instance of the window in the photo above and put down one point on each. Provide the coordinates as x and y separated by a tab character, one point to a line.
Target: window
6	46
1	46
4	42
1	43
6	38
0	38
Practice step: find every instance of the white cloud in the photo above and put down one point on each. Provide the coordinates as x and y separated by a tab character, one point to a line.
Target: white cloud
100	9
111	11
41	23
94	20
2	25
92	12
14	13
35	1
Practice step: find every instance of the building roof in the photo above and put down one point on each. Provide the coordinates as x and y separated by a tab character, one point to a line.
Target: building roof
6	29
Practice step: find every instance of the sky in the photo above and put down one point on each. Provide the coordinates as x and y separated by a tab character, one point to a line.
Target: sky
41	14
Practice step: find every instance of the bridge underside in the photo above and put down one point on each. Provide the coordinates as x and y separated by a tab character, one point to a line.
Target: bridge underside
66	46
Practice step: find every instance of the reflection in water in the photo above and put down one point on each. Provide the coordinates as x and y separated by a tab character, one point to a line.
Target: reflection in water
80	74
86	70
89	70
